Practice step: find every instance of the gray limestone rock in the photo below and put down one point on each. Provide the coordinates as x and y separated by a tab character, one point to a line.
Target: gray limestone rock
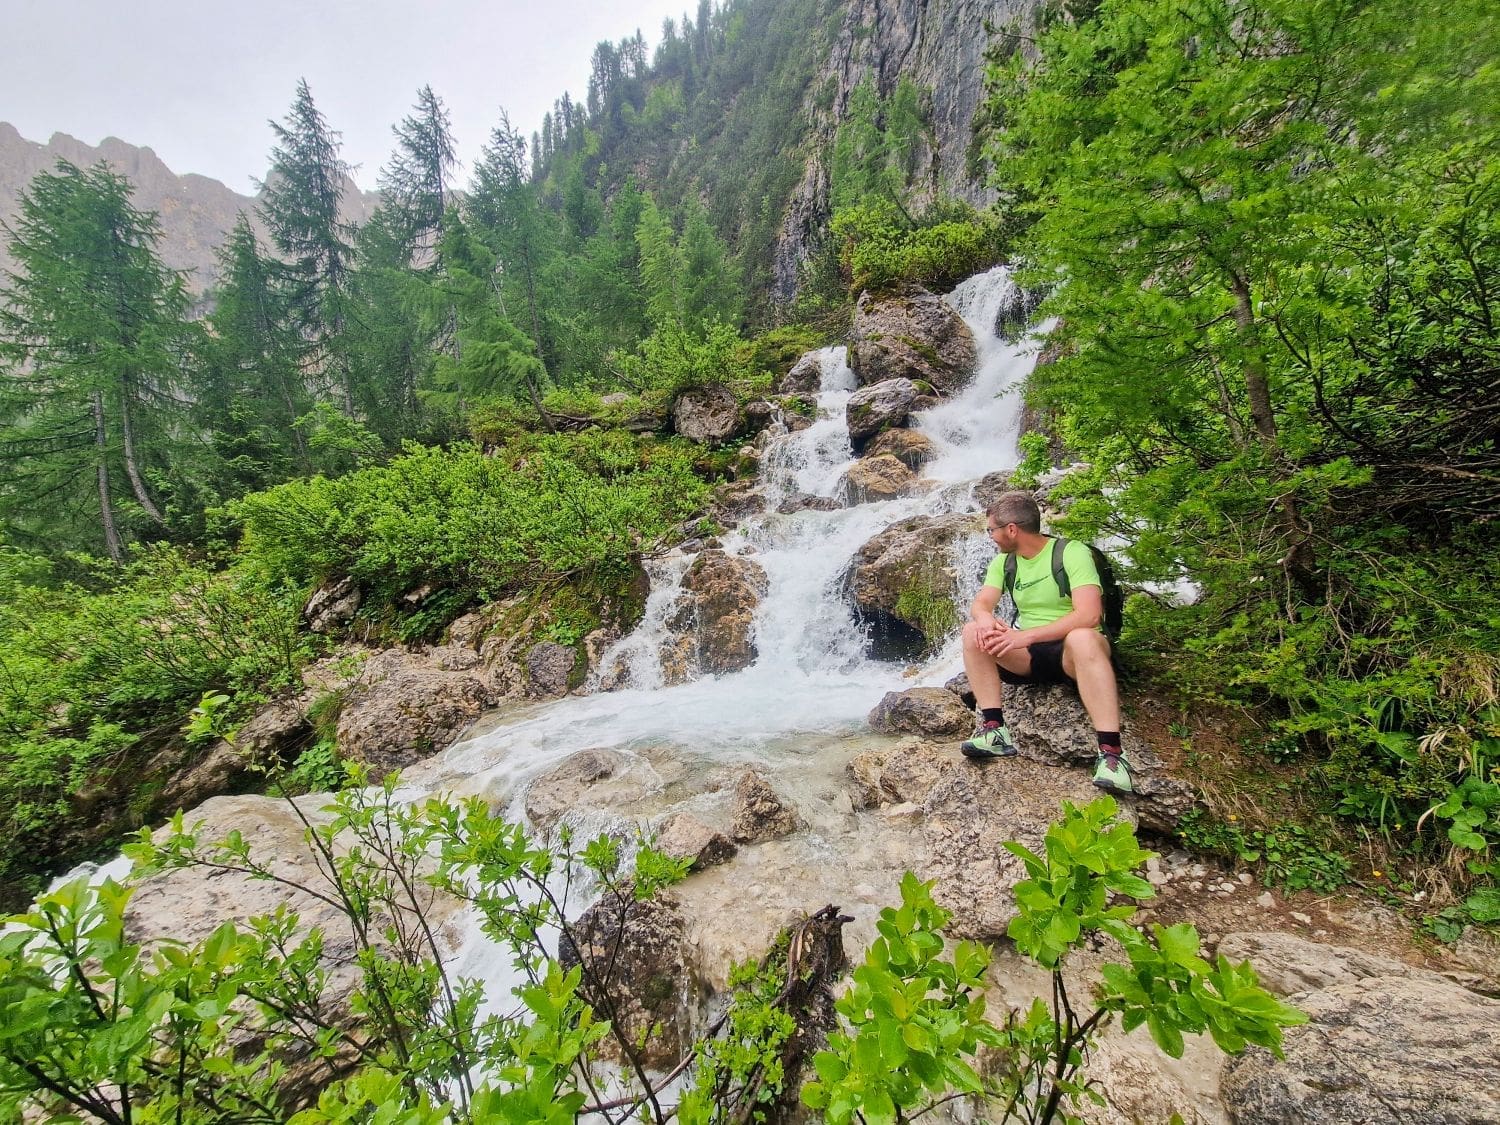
1411	1048
708	414
549	666
878	407
912	334
923	710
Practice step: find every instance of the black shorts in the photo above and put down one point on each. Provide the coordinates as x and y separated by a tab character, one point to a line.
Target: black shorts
1046	666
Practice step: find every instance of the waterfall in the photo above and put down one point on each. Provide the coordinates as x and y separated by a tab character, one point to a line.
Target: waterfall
812	675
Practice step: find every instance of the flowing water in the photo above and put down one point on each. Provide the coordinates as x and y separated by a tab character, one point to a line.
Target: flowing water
812	677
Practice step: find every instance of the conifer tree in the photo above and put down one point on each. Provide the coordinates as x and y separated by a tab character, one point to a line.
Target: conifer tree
93	335
301	200
254	392
416	184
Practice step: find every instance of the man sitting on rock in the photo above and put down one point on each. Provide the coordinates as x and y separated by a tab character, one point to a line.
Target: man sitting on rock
1055	639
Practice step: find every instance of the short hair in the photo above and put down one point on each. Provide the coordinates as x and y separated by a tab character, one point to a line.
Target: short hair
1019	508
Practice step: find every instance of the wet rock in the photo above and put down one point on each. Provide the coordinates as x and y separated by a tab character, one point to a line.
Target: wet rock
758	415
684	836
802	502
707	414
864	770
332	606
718	610
736	501
564	786
404	709
990	488
759	812
549	666
878	407
911	558
634	975
925	710
805	377
912	448
912	335
1406	1047
872	479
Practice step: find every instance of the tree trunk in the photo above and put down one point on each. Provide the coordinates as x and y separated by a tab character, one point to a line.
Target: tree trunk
132	469
106	506
1298	562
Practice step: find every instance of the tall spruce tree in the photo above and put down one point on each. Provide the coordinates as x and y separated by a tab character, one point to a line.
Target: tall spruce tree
254	391
93	333
416	183
301	201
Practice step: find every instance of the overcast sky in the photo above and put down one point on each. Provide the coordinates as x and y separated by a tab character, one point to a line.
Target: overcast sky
196	80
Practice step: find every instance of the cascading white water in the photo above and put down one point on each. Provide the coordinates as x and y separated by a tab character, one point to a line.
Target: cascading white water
811	675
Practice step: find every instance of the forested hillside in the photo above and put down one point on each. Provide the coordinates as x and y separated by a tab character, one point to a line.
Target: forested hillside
1266	234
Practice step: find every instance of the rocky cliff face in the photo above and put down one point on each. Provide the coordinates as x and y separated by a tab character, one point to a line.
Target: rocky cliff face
939	45
196	213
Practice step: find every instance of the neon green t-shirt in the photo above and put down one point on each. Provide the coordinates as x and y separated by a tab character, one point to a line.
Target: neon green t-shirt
1036	596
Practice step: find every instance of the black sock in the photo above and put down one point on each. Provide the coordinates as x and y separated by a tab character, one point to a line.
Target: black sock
994	715
1109	741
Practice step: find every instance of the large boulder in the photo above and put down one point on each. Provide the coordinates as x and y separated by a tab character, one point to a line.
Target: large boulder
188	904
549	669
960	813
924	710
912	335
635	975
906	568
911	447
872	479
405	707
717	610
1050	726
805	377
878	407
708	415
1384	1042
274	734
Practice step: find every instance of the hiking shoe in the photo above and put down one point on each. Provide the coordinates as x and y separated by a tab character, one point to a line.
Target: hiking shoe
993	741
1113	773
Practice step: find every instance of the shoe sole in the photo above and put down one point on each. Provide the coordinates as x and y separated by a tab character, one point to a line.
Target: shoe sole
979	753
1111	787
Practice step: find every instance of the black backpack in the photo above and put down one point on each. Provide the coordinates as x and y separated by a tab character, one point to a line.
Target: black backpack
1109	586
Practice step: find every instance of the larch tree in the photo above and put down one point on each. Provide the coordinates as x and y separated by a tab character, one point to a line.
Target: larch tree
93	333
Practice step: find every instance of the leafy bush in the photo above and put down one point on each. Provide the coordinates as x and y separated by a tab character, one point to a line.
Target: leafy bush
879	249
548	507
90	677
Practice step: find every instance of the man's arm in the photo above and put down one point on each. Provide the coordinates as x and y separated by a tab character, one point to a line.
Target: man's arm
1087	612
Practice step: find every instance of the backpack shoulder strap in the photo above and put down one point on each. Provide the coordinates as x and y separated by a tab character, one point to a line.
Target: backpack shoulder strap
1059	571
1010	587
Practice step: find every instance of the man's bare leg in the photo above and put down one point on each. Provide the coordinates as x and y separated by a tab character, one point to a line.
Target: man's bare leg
1086	658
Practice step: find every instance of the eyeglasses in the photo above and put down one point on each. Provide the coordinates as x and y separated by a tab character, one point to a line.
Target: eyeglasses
993	530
